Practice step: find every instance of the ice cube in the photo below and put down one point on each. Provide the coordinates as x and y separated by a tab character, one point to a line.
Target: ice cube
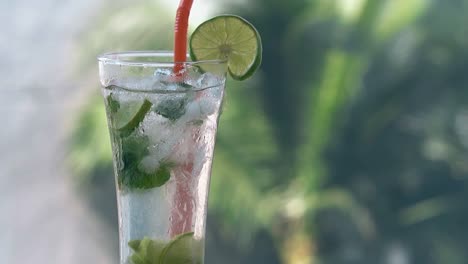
165	148
163	74
155	127
163	79
208	105
164	135
135	83
128	101
193	112
149	163
172	106
199	109
204	81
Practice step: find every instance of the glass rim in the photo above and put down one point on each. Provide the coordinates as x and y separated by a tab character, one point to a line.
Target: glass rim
130	58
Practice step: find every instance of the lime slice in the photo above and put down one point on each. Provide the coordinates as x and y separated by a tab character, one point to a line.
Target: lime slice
146	251
228	37
184	249
129	116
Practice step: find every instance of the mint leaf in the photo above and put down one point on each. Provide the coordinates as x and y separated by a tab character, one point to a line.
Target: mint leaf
172	108
134	149
133	124
162	174
139	179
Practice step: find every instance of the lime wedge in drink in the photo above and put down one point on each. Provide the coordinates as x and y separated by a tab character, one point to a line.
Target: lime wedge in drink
228	37
146	251
127	117
184	249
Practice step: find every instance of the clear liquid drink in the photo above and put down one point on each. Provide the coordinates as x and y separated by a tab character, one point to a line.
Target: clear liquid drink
162	126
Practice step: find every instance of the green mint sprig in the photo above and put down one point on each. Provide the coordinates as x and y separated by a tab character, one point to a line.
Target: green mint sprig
134	149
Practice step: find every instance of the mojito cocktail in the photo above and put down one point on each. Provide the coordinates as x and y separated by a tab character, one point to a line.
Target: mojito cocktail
163	113
162	126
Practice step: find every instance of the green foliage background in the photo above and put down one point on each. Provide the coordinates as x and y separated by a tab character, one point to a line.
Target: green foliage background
348	146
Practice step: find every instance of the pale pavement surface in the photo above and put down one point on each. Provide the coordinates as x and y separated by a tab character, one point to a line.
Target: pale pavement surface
42	219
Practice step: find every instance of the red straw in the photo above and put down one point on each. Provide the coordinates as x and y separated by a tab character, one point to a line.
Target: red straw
180	34
183	204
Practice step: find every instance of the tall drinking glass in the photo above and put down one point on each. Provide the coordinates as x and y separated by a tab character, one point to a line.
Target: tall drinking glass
162	127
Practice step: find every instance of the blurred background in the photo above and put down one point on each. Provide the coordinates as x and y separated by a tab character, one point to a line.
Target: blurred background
350	145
